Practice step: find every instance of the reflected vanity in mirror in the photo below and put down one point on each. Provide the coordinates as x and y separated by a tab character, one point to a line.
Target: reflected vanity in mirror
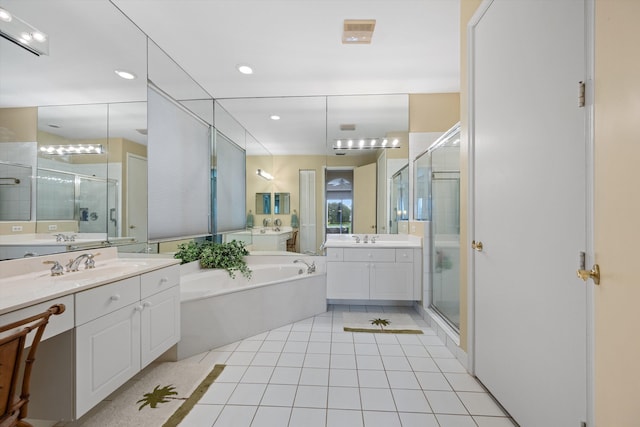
281	203
263	203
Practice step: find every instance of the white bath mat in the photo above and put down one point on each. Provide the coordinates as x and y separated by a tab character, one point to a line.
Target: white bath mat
163	395
382	323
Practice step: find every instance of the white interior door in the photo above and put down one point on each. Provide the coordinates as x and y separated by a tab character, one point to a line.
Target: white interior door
136	198
308	211
381	194
529	182
364	199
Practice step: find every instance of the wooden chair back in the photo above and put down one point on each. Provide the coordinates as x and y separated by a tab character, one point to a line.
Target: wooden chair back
13	406
291	243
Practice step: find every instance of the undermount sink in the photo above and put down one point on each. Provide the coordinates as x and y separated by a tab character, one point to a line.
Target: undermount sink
100	270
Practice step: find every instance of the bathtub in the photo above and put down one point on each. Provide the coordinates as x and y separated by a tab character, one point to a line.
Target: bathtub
217	310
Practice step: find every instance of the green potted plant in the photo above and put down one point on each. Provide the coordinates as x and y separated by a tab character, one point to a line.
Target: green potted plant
228	256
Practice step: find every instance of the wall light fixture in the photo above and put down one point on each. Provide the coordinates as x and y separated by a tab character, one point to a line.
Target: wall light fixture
23	34
264	174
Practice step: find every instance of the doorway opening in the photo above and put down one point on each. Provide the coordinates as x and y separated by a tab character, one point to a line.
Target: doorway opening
339	199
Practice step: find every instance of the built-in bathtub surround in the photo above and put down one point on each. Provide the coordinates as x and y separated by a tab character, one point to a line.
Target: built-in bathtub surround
218	310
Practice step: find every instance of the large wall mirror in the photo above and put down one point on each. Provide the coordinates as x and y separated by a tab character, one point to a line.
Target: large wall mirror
45	102
302	134
72	131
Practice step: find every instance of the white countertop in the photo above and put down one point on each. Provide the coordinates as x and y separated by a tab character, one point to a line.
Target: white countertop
382	241
81	239
27	281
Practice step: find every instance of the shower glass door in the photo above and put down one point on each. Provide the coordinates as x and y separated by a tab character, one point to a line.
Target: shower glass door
437	199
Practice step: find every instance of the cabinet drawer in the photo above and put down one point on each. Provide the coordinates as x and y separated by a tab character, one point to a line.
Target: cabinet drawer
334	254
57	324
404	255
364	254
159	280
105	299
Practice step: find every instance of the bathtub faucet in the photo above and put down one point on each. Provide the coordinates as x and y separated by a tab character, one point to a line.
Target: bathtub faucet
310	268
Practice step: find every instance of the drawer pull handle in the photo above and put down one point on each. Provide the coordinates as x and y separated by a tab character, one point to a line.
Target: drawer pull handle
164	280
139	308
369	255
115	297
147	304
404	255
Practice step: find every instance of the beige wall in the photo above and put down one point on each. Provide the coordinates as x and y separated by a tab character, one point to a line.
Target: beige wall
18	124
617	210
433	112
467	9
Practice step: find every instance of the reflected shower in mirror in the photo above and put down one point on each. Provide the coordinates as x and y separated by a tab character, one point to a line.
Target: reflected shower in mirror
42	107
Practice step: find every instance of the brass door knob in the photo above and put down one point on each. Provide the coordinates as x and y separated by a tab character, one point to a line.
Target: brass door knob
476	245
132	227
594	274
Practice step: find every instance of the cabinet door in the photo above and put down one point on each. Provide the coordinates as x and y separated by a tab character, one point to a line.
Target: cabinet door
160	324
391	281
347	280
107	355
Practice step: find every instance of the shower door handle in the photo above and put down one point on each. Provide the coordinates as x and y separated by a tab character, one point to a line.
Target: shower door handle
476	245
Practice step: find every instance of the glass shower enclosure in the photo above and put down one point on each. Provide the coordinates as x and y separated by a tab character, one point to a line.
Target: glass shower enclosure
437	200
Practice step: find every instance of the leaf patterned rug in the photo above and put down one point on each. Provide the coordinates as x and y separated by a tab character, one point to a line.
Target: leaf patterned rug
161	395
381	323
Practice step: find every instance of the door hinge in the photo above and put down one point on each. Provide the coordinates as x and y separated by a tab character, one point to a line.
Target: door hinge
581	94
583	424
583	261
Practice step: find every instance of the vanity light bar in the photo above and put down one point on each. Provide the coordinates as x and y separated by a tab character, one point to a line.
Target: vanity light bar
64	150
264	174
23	34
374	143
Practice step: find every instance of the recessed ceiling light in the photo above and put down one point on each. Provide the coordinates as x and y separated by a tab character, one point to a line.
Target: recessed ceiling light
127	75
275	117
245	69
5	16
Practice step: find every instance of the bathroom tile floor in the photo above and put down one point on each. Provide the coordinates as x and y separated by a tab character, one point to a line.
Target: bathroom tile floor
312	373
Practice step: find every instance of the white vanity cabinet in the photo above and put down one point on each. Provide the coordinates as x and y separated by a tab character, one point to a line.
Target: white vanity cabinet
120	328
373	273
160	322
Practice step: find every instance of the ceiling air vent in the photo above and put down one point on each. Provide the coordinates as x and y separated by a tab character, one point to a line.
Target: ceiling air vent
347	127
358	31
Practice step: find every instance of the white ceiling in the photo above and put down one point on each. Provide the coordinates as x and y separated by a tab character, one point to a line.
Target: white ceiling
294	47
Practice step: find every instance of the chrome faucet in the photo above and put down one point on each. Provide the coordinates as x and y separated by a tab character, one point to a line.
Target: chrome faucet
89	262
310	268
65	237
357	239
373	238
365	239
